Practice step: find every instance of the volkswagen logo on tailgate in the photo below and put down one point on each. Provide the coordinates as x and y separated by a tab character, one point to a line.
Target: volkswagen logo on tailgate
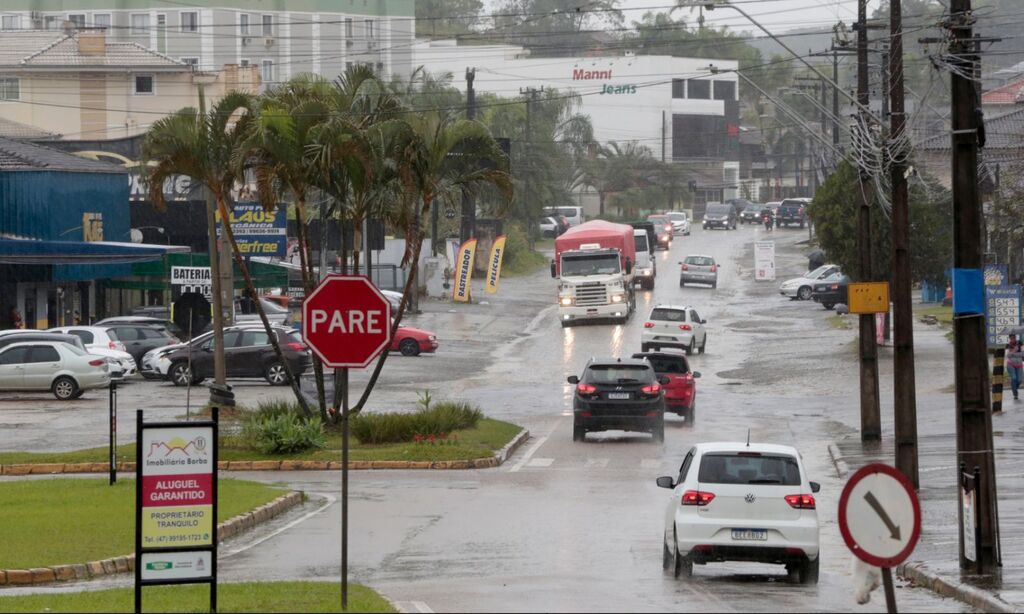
750	497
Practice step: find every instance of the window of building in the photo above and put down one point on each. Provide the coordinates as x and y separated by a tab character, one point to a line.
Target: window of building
348	65
725	90
698	136
348	27
11	22
101	20
700	90
140	23
679	88
189	21
243	24
52	22
244	62
267	73
77	20
10	88
369	29
144	85
380	69
268	25
190	61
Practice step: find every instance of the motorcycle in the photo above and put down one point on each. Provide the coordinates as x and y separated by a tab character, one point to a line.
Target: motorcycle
768	222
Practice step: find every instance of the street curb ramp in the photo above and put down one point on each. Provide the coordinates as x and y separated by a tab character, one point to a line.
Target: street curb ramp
124	564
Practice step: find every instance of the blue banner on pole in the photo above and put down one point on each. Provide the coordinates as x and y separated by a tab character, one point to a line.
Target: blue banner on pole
259	232
968	292
1002	312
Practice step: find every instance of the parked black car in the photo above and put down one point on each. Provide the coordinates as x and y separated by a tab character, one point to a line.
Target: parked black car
615	393
247	353
832	291
141	338
792	211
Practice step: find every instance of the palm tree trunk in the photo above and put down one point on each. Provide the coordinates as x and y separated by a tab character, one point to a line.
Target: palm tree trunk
271	334
305	258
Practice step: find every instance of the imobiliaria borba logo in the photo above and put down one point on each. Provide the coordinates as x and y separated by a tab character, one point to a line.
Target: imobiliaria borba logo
177	451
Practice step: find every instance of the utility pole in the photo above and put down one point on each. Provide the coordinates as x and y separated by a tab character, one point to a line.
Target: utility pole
905	401
835	98
219	371
974	413
870	410
531	93
468	226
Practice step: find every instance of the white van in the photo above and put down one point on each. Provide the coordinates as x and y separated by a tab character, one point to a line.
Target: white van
643	270
573	214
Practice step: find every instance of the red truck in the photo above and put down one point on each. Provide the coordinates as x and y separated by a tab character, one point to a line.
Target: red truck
594	267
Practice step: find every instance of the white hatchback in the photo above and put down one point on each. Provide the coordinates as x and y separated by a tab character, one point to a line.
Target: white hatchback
802	287
674	326
742	502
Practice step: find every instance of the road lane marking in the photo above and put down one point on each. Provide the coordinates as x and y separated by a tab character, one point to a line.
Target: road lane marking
541	462
597	462
330	501
413	606
529	454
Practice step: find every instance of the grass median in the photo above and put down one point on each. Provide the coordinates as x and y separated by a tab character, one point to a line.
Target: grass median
241	597
488	436
67	521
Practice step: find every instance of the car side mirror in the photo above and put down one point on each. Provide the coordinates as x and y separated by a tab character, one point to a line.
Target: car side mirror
665	481
815	487
572	379
664	380
553	269
696	374
703	321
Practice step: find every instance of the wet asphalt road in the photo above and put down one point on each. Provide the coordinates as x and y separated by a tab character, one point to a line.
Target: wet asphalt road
569	526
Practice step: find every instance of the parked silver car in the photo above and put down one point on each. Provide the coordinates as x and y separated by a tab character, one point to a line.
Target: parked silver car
61	368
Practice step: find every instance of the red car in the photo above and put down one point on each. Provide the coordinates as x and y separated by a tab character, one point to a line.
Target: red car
413	341
681	391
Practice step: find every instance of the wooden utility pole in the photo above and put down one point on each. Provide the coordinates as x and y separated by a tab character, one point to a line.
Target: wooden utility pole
870	410
531	94
973	411
905	401
468	227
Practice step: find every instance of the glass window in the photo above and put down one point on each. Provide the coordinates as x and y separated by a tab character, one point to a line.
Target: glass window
10	88
128	334
77	20
190	61
694	317
43	353
748	468
140	23
231	338
268	25
10	22
243	23
725	90
369	29
678	88
144	85
243	62
348	28
698	89
86	336
685	468
700	260
152	333
189	21
619	374
267	73
52	22
14	356
256	337
101	20
670	315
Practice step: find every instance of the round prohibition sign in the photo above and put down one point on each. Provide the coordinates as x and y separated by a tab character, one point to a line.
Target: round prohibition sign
880	515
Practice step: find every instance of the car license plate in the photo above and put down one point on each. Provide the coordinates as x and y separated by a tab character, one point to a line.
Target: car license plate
618	395
750	535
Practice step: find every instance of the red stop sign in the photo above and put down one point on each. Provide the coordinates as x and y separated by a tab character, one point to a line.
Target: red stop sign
346	321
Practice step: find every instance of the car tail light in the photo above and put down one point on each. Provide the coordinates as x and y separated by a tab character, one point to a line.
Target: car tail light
800	502
796	551
97	363
714	268
296	346
648	324
112	345
585	414
835	286
686	267
652	414
697	497
651	389
750	454
684	327
586	389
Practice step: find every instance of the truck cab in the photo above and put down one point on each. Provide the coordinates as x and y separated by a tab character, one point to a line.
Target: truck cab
594	265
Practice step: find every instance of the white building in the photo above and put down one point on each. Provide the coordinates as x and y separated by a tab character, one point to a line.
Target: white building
678	107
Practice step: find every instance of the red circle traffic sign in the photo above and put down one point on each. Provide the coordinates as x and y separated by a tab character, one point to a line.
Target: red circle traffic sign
346	321
880	515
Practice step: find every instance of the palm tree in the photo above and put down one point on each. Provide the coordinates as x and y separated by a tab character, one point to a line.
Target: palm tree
201	146
437	158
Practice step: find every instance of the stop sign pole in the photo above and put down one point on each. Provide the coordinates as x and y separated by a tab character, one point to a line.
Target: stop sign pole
346	322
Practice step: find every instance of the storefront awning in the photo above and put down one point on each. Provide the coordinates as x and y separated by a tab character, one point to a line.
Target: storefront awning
31	251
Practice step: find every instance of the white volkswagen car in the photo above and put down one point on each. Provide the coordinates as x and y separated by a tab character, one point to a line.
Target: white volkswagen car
741	502
674	326
680	222
801	287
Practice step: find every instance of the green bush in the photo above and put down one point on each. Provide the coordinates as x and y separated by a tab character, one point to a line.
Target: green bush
283	433
518	257
375	428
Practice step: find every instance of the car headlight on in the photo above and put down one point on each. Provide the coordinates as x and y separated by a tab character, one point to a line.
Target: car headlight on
565	301
618	298
432	338
645	272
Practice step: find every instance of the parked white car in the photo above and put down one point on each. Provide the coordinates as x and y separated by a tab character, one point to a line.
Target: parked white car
801	287
741	502
674	326
93	336
572	213
61	368
155	364
680	222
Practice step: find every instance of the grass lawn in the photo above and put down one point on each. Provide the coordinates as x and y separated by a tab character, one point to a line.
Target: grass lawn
242	597
65	521
482	441
943	314
840	322
525	263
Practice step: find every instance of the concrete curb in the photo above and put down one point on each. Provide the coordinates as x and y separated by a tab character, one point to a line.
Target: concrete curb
977	598
495	460
124	564
842	469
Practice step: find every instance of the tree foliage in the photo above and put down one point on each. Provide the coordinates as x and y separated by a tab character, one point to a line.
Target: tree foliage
446	18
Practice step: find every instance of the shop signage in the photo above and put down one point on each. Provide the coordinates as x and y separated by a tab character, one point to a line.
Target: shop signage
186	279
258	232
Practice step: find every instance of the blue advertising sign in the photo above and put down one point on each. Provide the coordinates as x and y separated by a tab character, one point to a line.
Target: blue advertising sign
996	274
259	232
1002	311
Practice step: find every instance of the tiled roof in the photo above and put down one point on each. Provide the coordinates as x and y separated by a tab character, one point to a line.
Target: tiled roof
19	155
1011	93
54	49
14	130
1001	132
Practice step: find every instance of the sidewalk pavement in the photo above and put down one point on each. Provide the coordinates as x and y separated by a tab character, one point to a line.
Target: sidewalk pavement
935	561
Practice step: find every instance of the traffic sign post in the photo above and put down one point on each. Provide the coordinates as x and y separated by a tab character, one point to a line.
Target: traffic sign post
880	520
346	322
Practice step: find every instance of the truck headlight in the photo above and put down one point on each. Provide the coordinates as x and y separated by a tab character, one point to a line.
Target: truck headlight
565	301
645	272
617	298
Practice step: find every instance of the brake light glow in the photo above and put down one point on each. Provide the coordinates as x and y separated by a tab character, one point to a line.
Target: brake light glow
296	346
697	497
714	268
800	502
751	454
684	327
648	324
112	345
686	267
97	363
586	388
651	389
